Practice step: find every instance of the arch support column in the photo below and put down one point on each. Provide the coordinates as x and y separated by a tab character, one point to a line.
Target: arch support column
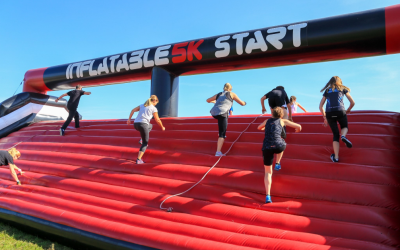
165	85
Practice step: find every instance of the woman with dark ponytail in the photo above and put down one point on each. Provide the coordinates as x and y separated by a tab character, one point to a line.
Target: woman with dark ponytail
335	112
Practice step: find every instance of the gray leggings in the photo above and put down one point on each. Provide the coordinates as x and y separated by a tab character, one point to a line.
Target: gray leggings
144	130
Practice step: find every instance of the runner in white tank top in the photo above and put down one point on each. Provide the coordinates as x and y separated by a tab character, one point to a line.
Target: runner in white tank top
294	105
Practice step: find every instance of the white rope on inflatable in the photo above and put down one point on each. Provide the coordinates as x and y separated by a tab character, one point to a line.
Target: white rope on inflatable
170	208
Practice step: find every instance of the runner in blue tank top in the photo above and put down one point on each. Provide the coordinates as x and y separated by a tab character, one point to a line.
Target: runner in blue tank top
274	144
334	91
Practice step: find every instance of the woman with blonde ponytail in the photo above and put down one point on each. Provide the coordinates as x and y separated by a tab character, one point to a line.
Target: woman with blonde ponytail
7	158
223	103
334	92
142	123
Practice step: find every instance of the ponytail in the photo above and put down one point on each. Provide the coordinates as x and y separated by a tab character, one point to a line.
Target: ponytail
227	87
148	101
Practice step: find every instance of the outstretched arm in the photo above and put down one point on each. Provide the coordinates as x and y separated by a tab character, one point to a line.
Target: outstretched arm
61	97
13	174
352	102
158	120
212	99
262	125
87	93
262	104
130	116
298	104
291	124
237	99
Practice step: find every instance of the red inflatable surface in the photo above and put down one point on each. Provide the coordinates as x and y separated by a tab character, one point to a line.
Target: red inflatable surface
88	180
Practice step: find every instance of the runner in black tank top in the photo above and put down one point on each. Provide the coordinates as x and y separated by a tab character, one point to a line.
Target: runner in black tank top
274	144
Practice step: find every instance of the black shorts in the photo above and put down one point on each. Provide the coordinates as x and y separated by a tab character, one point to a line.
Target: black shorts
333	119
268	154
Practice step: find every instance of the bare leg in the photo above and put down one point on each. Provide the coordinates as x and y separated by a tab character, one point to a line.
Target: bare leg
279	157
268	179
336	149
13	174
140	155
285	114
344	131
220	144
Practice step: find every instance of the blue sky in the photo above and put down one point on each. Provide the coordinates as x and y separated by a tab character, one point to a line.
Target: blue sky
38	34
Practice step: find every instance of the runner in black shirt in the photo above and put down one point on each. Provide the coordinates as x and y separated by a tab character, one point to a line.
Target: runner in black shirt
7	158
73	102
278	98
334	91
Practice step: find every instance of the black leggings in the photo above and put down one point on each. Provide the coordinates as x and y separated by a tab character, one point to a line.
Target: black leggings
73	113
144	130
222	125
333	118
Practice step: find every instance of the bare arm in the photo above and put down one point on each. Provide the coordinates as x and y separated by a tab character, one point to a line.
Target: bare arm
298	104
352	103
130	116
237	99
61	97
294	125
262	104
321	108
262	125
212	99
87	93
158	120
13	174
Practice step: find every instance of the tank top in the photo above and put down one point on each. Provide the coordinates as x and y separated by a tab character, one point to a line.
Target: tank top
273	134
222	105
294	108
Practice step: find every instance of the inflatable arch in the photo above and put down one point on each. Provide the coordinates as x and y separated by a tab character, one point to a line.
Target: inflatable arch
369	33
85	188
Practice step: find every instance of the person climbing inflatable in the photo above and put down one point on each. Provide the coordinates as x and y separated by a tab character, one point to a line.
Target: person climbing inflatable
223	103
7	158
277	98
72	105
294	104
143	125
274	144
335	112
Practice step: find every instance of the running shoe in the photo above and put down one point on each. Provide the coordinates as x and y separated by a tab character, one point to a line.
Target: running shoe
268	199
139	161
140	141
62	132
219	154
18	183
333	158
278	166
348	143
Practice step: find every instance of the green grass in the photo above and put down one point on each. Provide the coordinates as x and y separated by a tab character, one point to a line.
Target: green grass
14	239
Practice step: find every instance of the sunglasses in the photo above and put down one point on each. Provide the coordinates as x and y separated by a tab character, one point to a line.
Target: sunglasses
154	100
